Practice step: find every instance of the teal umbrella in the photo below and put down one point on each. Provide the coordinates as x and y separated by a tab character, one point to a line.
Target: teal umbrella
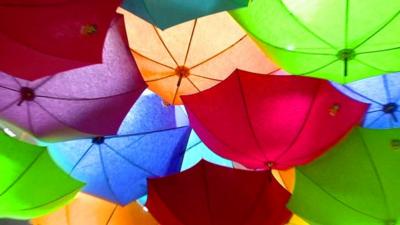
167	13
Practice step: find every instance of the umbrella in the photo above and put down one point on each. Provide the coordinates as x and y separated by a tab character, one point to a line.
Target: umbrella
341	41
196	150
72	38
150	143
193	56
31	184
82	99
89	210
296	220
266	121
383	95
208	194
167	13
354	183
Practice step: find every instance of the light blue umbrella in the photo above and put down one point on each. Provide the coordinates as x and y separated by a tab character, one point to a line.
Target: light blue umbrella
150	143
383	95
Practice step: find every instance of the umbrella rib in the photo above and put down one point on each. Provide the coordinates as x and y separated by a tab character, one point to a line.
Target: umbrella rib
161	78
379	30
303	125
23	173
375	51
131	162
375	120
8	105
305	27
319	68
191	82
144	133
80	159
374	111
44	82
361	95
379	179
52	201
51	115
85	99
165	45
208	78
29	117
193	146
340	201
219	53
387	91
150	59
8	88
373	67
190	41
112	214
247	116
106	175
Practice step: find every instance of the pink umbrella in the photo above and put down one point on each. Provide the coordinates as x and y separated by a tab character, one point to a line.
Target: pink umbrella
267	121
92	99
57	33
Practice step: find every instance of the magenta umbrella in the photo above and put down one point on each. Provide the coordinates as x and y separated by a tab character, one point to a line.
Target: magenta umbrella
57	33
92	99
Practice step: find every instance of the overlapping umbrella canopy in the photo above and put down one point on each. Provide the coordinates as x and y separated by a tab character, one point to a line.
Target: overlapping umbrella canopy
70	71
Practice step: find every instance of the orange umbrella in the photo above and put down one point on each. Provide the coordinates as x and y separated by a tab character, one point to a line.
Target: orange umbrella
89	210
193	56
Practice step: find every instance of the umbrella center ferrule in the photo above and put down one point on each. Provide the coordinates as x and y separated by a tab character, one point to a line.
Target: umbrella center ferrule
27	94
98	140
346	54
89	29
389	108
182	71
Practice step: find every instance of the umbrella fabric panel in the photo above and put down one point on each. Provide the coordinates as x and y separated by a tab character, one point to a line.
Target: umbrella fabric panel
383	95
196	150
31	183
369	155
75	33
167	13
337	40
82	99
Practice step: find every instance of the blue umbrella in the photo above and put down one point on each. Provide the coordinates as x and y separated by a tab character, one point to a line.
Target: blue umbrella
197	150
150	143
383	95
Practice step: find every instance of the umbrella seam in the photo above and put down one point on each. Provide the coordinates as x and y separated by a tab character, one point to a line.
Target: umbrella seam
204	77
22	174
338	200
190	42
165	46
112	214
106	175
191	82
378	51
87	99
80	159
150	59
361	95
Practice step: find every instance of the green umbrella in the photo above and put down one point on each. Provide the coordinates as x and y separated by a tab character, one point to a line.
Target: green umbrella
31	184
356	183
167	13
336	40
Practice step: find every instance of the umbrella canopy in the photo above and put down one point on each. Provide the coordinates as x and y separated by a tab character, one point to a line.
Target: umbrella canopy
196	150
193	56
82	99
338	40
355	183
295	220
89	210
383	95
268	122
216	195
150	143
73	37
31	184
168	13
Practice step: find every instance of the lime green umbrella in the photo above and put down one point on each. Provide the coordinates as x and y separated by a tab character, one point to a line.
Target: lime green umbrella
31	184
337	40
356	183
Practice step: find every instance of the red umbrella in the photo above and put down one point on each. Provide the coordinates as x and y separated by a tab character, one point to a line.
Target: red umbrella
59	34
208	194
272	121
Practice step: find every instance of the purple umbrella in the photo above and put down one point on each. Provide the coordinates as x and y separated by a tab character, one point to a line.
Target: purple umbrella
91	100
